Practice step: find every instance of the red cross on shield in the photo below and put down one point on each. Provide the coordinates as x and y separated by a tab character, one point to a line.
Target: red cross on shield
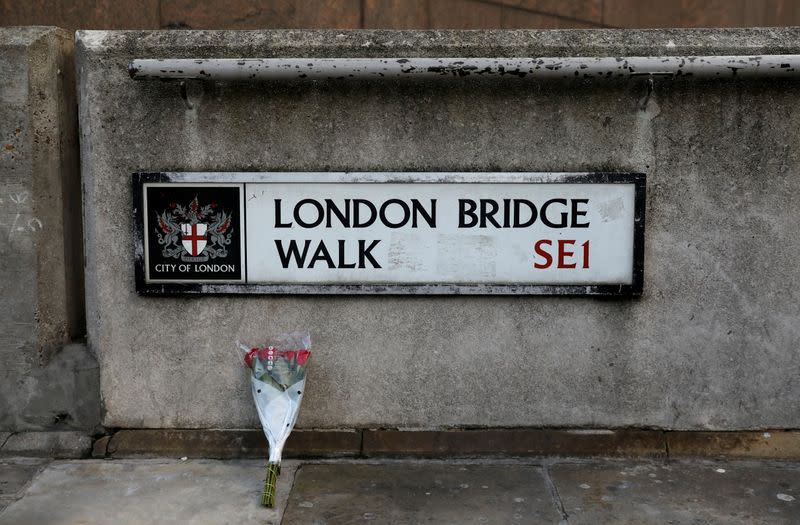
193	238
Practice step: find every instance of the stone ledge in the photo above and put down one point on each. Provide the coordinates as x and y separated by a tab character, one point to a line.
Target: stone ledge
58	445
451	443
225	444
100	447
772	444
376	42
250	443
531	442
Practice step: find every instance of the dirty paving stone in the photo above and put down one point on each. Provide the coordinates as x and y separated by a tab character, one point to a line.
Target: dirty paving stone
15	475
679	492
143	492
406	493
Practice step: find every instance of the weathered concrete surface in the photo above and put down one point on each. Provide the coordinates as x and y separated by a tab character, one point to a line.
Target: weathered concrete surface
63	394
143	492
679	492
40	224
772	444
527	442
334	492
15	475
40	191
404	493
710	345
67	444
223	444
371	443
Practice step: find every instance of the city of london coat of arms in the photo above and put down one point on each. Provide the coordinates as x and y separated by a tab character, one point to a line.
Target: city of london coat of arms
194	233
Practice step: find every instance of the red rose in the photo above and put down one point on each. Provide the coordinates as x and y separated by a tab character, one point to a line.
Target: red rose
302	357
248	357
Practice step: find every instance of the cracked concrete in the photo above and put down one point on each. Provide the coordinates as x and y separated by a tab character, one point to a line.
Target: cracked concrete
551	487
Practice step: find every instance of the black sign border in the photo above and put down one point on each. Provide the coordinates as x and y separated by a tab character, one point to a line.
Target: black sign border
639	180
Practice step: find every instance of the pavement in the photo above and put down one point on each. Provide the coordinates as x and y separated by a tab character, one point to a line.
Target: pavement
547	490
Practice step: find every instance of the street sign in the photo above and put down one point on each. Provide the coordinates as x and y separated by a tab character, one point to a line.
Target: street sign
391	233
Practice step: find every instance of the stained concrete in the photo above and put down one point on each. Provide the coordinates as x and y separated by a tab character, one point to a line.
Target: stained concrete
149	492
141	492
51	444
638	493
418	493
39	188
15	475
709	345
224	444
772	444
40	230
62	395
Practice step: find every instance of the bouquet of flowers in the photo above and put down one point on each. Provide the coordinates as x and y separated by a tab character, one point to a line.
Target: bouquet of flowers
278	381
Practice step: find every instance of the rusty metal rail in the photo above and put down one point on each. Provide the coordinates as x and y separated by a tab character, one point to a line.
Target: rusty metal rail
260	69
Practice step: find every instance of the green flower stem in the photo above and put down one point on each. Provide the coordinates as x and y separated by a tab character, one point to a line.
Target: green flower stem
268	496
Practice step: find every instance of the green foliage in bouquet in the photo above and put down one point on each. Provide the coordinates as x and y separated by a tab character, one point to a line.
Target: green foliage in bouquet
280	368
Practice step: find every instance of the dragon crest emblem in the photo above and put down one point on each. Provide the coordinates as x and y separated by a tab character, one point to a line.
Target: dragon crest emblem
193	233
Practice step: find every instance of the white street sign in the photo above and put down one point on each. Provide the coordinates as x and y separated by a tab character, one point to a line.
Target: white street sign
396	232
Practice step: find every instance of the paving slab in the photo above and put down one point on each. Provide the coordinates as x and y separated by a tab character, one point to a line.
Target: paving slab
142	492
679	492
401	493
15	474
332	492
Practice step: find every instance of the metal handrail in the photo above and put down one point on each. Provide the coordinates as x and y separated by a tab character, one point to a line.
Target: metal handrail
261	69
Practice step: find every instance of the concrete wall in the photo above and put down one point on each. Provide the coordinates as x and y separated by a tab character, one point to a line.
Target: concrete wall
711	344
41	266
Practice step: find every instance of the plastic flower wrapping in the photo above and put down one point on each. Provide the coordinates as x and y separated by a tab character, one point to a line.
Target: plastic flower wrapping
277	380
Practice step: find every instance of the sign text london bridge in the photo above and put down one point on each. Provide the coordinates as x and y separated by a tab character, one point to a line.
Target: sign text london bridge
433	233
